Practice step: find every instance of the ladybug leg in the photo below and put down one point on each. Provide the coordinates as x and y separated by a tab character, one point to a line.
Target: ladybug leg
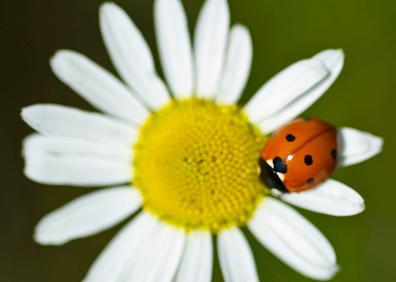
276	193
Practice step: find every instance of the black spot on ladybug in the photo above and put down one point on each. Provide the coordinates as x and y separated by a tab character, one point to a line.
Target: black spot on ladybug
308	160
279	165
310	181
334	154
290	137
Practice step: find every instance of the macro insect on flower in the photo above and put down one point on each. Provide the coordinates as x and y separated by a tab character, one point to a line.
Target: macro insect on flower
300	156
184	158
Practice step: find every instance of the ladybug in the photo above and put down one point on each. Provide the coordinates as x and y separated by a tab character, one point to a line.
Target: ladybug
299	156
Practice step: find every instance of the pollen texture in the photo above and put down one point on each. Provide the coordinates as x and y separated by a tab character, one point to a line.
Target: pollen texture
196	165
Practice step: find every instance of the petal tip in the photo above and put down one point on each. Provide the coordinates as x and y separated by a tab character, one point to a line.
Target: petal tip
358	209
107	8
30	173
23	113
107	5
40	237
26	113
29	113
61	53
333	59
378	142
58	58
329	274
358	146
240	27
361	208
333	270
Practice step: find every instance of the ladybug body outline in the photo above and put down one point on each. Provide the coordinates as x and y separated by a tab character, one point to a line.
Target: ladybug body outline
301	155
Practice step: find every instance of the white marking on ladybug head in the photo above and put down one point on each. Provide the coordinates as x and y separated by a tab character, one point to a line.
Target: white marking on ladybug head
270	163
281	176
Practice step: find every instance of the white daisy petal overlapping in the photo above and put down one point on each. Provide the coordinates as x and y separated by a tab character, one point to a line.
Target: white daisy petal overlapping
79	148
87	215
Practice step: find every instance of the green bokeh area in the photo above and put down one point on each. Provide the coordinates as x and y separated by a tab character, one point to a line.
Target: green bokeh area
283	32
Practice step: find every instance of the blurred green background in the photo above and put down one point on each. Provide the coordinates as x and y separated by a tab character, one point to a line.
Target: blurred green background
283	32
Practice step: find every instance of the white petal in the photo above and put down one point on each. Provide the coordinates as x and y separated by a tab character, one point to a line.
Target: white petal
44	145
209	45
174	46
294	240
356	146
285	87
76	170
56	120
97	86
293	90
131	56
87	215
156	257
236	258
116	254
197	261
237	65
331	197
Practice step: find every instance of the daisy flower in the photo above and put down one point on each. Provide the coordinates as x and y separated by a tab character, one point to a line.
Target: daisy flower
183	156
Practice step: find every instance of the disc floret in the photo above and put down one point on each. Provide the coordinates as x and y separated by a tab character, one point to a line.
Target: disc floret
196	165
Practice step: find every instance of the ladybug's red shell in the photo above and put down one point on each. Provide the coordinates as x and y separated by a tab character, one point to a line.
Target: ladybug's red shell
303	153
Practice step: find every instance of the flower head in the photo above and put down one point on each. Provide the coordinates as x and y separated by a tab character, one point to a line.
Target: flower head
184	157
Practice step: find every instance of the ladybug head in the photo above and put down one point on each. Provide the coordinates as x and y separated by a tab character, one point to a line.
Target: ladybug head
270	174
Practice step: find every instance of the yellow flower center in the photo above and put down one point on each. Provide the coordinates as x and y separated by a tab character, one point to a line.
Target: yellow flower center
196	165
